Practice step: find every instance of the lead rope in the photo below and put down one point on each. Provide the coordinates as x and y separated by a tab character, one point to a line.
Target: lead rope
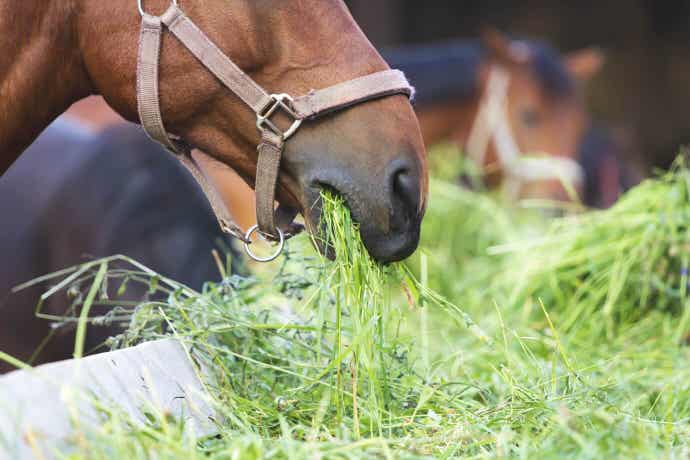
492	123
264	105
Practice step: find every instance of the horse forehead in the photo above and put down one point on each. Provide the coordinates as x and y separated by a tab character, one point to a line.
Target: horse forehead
527	87
545	74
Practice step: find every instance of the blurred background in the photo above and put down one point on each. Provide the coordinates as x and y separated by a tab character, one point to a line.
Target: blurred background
642	92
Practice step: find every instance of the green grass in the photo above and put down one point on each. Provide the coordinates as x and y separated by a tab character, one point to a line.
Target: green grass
558	339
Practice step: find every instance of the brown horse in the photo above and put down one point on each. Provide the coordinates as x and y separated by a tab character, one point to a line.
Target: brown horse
112	193
59	51
539	106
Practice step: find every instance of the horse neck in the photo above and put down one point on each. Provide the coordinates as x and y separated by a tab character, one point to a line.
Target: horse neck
41	71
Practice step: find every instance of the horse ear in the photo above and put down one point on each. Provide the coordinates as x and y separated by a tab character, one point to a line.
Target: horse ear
585	63
503	49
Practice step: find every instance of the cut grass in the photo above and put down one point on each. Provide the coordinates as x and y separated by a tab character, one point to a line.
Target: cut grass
577	350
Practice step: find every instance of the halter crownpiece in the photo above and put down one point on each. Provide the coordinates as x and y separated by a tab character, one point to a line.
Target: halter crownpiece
313	105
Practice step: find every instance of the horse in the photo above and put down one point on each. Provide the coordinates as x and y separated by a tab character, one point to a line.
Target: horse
498	99
368	148
20	202
115	192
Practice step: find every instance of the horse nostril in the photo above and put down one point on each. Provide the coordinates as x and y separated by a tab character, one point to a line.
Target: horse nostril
405	189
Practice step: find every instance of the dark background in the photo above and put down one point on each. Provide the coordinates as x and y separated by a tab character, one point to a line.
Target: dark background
644	88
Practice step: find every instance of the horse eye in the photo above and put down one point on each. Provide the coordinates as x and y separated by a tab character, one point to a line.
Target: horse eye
530	117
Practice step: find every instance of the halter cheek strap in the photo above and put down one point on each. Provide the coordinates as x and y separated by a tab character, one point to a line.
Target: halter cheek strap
152	120
313	105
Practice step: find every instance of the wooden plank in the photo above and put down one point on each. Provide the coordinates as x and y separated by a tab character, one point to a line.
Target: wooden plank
39	407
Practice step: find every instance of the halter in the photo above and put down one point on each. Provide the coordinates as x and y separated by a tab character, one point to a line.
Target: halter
492	123
308	107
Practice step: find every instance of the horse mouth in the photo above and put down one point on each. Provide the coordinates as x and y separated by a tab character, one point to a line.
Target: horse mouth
383	245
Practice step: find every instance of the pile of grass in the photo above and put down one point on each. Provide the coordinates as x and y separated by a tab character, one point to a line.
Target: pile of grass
597	300
558	339
313	360
622	264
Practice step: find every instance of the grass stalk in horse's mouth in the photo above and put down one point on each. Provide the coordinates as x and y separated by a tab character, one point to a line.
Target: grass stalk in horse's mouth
360	285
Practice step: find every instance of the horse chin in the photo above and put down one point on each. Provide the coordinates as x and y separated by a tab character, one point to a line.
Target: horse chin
394	247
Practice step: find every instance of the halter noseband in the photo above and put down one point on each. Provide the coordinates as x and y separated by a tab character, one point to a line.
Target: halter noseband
313	105
491	123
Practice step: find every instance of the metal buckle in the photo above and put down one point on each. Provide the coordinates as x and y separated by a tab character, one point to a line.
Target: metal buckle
274	256
278	101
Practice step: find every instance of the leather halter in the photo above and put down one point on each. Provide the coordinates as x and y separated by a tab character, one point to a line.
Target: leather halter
308	107
492	123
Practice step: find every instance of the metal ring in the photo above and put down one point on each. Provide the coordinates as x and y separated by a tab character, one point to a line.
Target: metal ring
140	4
274	256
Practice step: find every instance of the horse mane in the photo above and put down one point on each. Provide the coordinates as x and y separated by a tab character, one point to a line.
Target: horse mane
547	64
443	72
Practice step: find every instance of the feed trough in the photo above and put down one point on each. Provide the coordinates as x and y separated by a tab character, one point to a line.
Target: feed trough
42	408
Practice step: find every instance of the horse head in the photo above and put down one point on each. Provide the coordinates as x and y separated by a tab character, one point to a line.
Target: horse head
371	153
544	109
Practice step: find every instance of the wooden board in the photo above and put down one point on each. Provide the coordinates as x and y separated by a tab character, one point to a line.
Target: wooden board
39	408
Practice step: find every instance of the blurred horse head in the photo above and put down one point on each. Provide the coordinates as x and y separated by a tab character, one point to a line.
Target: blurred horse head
515	107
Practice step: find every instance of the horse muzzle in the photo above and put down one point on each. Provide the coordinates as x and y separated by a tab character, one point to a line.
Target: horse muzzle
388	209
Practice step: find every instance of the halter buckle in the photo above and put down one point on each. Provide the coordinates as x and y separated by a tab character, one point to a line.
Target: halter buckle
278	101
